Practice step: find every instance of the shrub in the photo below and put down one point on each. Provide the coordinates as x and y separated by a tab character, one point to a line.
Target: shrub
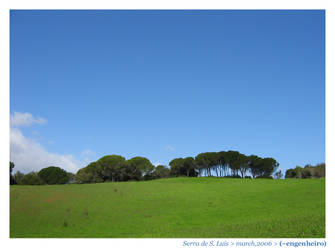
32	179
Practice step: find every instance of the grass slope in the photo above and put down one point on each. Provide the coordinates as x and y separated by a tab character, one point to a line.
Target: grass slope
171	208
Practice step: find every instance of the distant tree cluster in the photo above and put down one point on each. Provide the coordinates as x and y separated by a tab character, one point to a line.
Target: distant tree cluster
50	175
224	164
117	168
308	171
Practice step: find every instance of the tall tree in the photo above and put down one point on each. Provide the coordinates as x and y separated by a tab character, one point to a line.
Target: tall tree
269	166
111	167
177	167
189	166
214	162
233	160
243	164
223	162
143	165
53	175
255	164
203	162
11	179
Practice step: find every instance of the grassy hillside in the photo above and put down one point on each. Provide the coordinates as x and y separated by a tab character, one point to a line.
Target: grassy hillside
176	208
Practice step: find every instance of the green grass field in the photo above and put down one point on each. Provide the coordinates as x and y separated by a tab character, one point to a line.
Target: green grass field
171	208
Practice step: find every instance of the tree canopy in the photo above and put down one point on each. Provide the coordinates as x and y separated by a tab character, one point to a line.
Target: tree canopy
308	171
53	175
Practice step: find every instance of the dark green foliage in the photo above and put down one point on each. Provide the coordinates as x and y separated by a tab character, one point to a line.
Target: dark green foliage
183	167
204	162
129	171
255	165
110	167
142	167
262	166
18	176
189	166
243	163
161	172
92	173
11	179
177	166
308	171
116	168
11	166
290	173
32	178
223	163
53	175
233	158
269	165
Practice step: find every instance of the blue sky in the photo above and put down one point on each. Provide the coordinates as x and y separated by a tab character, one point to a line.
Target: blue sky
166	84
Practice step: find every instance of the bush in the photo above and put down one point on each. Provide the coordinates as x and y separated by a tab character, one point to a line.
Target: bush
32	179
247	177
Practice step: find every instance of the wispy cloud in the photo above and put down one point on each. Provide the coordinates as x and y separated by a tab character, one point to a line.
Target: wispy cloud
88	152
25	120
169	148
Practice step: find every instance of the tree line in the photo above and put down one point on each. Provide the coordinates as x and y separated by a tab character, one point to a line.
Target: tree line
224	164
308	171
116	168
46	176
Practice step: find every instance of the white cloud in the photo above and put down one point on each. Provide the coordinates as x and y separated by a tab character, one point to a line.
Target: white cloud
25	119
28	155
169	148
